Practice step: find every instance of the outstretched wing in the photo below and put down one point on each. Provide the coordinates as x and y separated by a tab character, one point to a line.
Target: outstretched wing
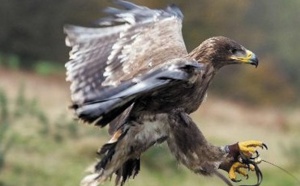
134	40
103	108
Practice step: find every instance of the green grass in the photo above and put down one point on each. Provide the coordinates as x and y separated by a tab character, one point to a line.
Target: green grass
48	68
40	67
11	61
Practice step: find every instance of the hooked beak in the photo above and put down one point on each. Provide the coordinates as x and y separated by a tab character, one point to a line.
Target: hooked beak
247	58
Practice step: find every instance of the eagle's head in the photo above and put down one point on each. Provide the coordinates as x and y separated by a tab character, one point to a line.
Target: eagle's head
222	51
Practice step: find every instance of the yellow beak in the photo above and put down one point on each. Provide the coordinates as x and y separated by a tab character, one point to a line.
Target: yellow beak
249	58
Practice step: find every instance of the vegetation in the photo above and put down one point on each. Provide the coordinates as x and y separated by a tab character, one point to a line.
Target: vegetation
4	144
40	144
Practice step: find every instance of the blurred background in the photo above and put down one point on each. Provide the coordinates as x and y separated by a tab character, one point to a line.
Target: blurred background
41	144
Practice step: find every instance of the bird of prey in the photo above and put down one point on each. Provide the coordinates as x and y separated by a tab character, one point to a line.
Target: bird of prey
133	73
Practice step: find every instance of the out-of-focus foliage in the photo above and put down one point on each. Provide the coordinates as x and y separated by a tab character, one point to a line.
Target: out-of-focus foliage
33	30
39	141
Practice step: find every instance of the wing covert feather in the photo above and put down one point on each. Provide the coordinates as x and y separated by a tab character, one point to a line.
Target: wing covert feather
134	40
102	108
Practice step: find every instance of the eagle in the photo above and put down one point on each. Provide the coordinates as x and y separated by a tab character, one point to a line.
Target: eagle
133	73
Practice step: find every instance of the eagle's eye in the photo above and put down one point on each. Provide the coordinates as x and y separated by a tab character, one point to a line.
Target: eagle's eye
233	50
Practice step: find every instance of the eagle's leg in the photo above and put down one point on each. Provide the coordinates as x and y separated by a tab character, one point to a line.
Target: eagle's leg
121	154
191	148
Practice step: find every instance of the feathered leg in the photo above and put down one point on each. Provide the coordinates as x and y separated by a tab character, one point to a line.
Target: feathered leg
121	155
190	148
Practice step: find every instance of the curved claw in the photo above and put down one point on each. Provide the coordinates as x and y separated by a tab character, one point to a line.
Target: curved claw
239	168
264	146
243	171
248	148
245	157
255	158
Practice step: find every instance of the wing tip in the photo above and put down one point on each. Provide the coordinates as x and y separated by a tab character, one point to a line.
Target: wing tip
174	10
128	5
133	13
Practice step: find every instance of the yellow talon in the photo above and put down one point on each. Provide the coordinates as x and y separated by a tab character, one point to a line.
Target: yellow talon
233	169
248	148
245	159
243	170
239	168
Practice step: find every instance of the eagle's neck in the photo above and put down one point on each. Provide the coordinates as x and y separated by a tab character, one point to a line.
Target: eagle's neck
206	53
198	94
203	53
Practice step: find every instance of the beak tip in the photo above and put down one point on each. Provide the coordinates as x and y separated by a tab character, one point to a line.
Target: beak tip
255	64
254	60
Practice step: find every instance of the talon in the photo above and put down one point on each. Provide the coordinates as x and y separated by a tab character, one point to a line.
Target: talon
251	167
248	148
257	154
238	167
243	172
264	146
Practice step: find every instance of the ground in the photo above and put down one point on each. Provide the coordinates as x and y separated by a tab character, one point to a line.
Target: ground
47	147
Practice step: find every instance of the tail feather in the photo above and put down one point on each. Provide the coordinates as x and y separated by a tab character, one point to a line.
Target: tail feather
116	158
108	150
129	169
90	180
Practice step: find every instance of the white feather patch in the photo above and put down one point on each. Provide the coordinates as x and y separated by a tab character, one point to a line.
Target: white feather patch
90	180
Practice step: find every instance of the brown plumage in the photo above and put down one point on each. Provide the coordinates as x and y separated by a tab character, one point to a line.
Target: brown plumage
135	74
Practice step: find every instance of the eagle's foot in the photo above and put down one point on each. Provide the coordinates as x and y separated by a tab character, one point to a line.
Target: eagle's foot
242	158
239	168
248	148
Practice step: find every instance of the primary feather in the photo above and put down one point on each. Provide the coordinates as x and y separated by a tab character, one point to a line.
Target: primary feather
115	56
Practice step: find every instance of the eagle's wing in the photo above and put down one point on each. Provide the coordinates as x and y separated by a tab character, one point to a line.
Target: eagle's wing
105	62
115	62
104	107
105	57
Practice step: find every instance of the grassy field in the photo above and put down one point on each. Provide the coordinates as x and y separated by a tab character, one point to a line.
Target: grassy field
40	143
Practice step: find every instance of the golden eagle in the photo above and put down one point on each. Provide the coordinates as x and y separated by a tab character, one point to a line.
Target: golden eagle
134	73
